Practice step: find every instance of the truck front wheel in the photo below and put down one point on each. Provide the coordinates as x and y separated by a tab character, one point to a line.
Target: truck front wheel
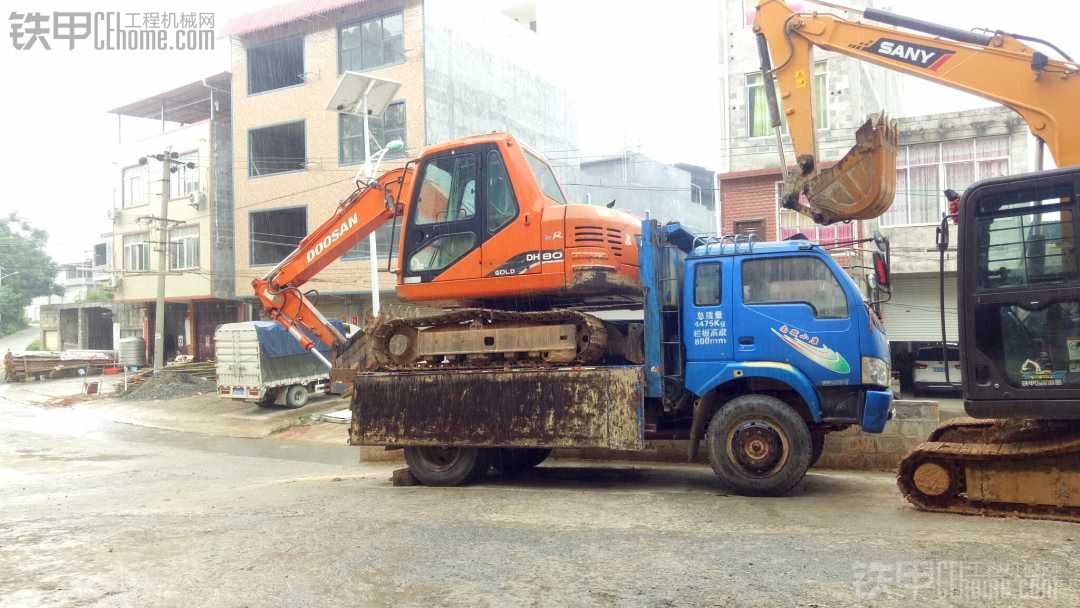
443	466
759	446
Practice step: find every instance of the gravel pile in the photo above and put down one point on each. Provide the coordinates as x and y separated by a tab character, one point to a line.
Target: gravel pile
171	385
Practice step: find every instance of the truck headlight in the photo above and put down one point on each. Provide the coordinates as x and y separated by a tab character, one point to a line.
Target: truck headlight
875	371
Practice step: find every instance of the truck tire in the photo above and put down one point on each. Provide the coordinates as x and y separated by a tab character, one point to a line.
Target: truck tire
269	398
296	395
759	446
510	461
443	466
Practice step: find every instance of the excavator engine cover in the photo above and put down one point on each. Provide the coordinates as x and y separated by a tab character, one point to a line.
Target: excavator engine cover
861	185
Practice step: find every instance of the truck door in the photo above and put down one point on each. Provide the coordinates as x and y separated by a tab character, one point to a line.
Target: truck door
793	309
443	236
707	300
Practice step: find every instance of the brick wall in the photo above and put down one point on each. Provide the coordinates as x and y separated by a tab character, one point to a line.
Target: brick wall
749	198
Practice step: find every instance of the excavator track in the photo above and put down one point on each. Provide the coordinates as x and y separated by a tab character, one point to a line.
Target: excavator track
1003	468
392	344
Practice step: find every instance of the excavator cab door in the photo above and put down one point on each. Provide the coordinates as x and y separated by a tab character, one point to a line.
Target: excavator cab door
444	230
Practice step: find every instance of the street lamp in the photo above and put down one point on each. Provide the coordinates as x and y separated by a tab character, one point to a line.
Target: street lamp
363	95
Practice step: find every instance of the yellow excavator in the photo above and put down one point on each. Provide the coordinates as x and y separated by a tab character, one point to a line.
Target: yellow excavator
1017	263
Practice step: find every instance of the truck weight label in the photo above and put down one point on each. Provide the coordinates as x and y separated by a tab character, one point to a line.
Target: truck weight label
334	236
710	328
523	262
926	57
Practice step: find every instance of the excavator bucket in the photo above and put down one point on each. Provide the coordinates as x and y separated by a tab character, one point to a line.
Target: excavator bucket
861	185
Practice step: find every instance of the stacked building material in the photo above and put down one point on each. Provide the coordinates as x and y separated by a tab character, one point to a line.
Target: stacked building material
20	366
199	369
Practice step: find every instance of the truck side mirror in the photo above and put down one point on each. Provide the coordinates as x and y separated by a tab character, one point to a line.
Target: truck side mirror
881	270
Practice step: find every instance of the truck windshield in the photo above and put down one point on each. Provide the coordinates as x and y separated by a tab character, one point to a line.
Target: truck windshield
545	177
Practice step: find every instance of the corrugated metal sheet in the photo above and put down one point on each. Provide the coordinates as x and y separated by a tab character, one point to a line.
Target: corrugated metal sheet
913	314
284	13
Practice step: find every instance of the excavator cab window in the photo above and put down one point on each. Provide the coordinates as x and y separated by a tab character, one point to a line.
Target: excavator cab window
502	205
448	190
545	177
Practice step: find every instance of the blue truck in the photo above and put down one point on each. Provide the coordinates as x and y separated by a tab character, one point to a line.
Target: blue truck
756	349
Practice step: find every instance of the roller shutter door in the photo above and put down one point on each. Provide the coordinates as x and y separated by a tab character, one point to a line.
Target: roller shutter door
913	314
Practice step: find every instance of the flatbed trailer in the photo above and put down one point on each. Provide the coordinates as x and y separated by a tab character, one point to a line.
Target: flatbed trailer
760	349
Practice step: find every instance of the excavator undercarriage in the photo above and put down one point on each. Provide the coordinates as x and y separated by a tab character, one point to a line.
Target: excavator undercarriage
1005	468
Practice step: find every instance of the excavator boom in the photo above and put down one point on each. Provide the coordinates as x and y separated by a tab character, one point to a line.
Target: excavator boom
997	66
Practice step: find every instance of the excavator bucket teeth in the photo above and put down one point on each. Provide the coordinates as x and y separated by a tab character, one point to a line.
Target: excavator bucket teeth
862	184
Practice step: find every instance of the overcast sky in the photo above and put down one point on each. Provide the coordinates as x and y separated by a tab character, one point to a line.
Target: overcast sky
644	75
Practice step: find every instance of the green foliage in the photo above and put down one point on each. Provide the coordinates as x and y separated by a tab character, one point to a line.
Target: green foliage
22	251
35	345
98	294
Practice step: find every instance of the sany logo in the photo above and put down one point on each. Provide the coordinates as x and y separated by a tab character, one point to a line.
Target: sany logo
333	237
913	54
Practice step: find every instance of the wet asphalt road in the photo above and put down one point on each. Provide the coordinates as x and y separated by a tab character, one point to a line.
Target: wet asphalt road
95	513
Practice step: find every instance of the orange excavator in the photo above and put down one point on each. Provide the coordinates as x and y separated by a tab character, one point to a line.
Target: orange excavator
1017	272
487	232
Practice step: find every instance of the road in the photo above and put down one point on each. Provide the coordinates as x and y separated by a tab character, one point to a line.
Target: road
96	513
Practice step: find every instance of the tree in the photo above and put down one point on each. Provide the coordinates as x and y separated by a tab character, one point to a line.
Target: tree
26	269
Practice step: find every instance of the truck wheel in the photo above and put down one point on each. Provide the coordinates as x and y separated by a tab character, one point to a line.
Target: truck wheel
759	446
441	466
510	461
269	398
296	395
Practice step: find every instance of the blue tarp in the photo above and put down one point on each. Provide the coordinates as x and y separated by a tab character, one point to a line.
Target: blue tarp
275	341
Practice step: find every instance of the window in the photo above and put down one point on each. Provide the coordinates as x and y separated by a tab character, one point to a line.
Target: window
754	228
545	177
442	252
275	65
276	149
793	222
924	171
447	190
184	248
384	129
136	186
101	255
185	181
136	252
502	205
371	43
757	106
1026	237
789	280
383	245
275	234
707	286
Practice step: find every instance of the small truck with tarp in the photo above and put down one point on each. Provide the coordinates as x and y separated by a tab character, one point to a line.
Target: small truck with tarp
259	361
758	349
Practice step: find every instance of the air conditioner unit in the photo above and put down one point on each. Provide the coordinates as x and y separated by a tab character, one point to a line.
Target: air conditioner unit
114	281
197	199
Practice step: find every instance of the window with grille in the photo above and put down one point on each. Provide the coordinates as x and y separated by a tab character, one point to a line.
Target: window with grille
924	171
185	181
793	222
371	43
136	185
184	248
384	129
757	107
136	252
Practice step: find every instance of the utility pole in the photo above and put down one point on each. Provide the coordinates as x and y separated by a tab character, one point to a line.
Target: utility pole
163	247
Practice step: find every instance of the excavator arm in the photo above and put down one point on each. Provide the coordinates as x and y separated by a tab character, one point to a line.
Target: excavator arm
997	66
368	208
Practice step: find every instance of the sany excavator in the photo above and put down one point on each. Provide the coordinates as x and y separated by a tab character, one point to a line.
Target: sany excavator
1018	277
486	230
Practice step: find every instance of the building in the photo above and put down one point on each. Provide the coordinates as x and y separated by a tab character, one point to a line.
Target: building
194	122
641	185
80	317
939	151
463	70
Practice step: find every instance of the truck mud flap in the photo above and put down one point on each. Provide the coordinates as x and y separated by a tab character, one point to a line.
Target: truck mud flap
597	407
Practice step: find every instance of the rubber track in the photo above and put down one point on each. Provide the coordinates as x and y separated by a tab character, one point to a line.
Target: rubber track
594	351
957	455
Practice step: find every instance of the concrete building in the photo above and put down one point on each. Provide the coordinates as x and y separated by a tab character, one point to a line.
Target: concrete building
194	122
463	70
642	185
939	151
81	316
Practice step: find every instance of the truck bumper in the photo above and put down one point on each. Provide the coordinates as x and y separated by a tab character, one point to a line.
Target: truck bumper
876	410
